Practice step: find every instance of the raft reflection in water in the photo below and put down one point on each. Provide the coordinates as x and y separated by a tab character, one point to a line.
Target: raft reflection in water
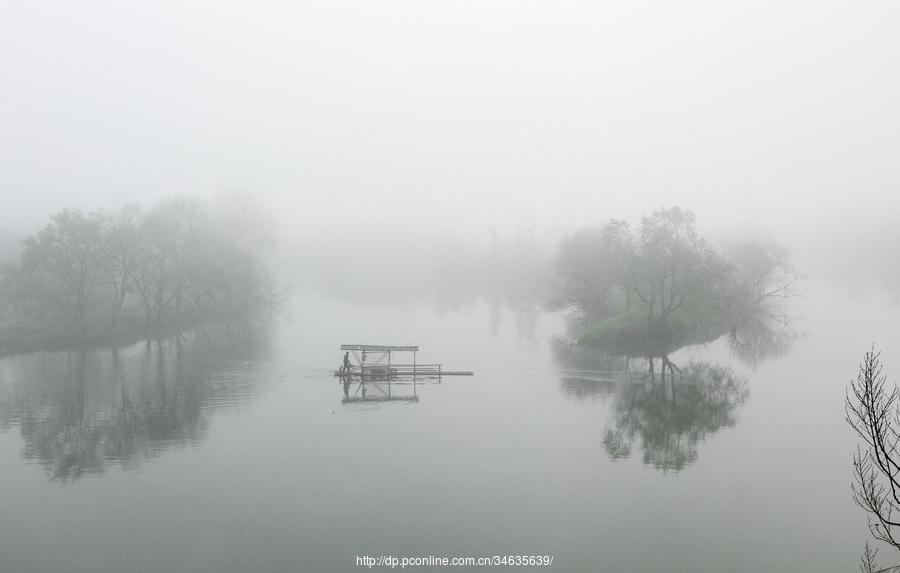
359	389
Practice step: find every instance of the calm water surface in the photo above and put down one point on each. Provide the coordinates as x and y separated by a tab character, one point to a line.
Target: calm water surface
224	452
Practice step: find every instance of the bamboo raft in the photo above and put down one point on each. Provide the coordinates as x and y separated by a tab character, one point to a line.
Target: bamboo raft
402	371
377	399
374	362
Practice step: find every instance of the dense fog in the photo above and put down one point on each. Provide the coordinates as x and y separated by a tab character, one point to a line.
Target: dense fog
627	257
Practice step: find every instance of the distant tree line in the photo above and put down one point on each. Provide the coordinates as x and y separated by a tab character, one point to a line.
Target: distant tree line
96	276
648	291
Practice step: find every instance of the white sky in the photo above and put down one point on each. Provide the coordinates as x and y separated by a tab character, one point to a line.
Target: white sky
460	114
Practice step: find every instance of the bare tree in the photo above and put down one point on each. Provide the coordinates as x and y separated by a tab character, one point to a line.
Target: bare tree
60	266
867	562
873	411
121	256
675	268
592	268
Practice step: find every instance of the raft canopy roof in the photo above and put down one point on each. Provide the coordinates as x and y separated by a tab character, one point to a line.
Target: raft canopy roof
377	348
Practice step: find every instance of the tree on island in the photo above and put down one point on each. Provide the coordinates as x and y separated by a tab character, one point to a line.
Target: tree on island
648	292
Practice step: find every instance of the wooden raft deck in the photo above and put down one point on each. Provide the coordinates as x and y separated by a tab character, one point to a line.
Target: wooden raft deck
402	371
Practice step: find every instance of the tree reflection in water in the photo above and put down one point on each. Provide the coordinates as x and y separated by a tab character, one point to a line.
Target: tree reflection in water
667	417
758	336
80	412
671	417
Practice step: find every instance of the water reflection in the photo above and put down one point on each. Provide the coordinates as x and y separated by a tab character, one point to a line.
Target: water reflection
669	419
80	412
525	307
370	390
666	417
760	335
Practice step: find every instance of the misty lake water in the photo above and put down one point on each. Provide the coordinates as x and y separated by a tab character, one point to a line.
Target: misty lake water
199	455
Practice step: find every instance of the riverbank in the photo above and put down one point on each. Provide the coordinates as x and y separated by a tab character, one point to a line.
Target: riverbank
24	336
